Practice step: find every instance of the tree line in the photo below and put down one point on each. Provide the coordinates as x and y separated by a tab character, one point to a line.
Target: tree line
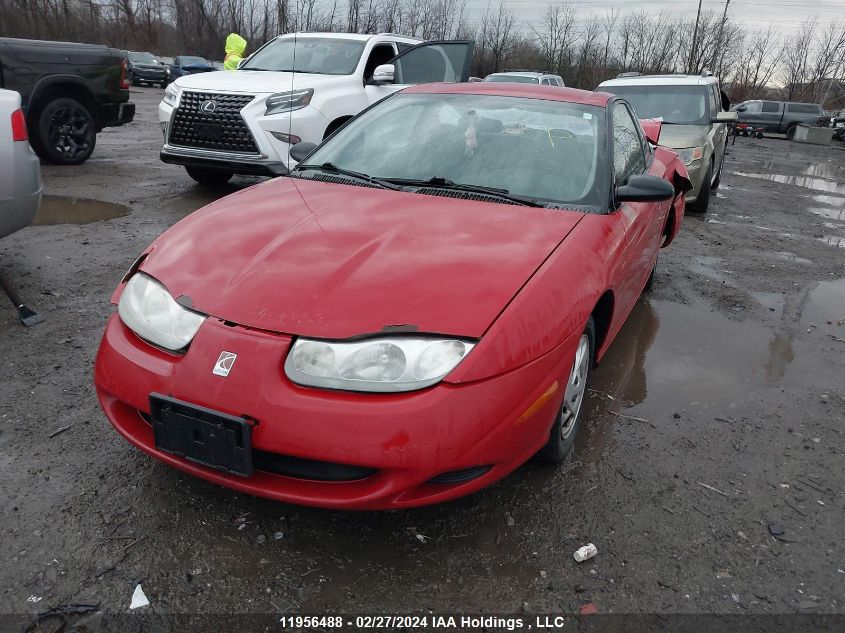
583	50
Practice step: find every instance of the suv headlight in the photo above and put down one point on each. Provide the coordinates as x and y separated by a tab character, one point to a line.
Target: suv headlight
288	101
385	364
171	95
691	154
147	309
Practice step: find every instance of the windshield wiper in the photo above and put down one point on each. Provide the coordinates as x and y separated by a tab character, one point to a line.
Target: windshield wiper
443	183
334	169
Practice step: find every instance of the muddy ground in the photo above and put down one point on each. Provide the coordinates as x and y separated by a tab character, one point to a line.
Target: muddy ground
715	420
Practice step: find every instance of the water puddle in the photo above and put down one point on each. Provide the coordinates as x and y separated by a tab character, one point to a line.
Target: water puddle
834	201
67	210
826	305
809	182
833	214
833	240
774	301
829	171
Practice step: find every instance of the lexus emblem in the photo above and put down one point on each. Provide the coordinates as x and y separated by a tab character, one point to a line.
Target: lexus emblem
224	364
208	106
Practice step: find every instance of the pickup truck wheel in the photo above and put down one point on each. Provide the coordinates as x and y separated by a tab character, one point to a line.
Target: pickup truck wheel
703	201
790	132
65	132
209	177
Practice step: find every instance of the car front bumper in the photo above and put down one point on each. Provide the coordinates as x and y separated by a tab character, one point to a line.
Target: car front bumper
696	173
403	441
273	157
149	75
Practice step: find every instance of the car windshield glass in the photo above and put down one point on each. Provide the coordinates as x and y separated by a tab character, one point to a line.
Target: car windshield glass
320	55
146	58
512	79
674	104
194	61
545	150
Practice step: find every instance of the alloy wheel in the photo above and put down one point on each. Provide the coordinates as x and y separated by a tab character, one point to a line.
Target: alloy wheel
575	388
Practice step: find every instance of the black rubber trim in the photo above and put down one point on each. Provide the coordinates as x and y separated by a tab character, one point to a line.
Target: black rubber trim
460	476
271	169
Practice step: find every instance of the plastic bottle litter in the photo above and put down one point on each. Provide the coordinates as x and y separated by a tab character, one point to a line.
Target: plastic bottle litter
585	553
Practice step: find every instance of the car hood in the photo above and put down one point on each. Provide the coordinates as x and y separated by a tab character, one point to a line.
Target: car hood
253	81
147	66
682	136
337	261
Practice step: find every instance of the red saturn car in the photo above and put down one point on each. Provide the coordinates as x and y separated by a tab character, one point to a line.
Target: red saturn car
408	316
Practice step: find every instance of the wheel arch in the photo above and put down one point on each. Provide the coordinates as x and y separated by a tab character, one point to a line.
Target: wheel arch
62	86
602	318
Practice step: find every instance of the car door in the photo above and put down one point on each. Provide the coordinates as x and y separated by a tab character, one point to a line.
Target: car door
769	118
719	131
430	62
640	219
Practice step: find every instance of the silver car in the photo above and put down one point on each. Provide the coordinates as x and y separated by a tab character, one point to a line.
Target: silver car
20	176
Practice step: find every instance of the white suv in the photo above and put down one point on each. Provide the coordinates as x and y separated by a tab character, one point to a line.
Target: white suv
526	77
297	87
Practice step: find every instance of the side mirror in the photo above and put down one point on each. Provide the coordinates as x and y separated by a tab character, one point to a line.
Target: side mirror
301	150
741	109
383	74
642	188
726	117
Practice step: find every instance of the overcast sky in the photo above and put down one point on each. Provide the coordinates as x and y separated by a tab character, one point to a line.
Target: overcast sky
785	15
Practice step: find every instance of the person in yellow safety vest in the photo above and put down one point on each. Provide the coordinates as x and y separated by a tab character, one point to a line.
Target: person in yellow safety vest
235	47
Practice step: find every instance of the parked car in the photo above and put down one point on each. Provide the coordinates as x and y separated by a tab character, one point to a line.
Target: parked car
411	314
300	86
526	77
695	122
146	68
188	65
69	92
20	177
781	117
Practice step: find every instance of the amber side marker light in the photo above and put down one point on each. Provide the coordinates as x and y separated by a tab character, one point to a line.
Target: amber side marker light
537	404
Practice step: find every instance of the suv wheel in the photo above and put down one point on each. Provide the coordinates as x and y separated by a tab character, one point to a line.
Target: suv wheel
209	177
703	201
64	132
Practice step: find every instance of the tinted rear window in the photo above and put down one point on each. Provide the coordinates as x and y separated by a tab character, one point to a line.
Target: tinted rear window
771	106
804	108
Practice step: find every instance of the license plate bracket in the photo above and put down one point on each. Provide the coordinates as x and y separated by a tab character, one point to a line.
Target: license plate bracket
208	131
202	435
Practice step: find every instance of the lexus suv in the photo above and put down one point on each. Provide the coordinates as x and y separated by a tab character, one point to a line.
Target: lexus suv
297	87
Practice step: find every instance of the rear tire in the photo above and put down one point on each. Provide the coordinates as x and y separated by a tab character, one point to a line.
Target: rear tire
703	201
64	132
209	177
568	421
649	284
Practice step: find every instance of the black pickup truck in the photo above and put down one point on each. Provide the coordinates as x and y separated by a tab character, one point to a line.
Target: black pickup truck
69	92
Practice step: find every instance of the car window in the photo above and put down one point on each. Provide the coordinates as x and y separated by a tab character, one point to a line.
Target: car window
433	62
547	150
317	55
714	100
752	107
683	105
402	46
143	58
628	156
770	106
513	79
803	108
546	82
194	61
380	54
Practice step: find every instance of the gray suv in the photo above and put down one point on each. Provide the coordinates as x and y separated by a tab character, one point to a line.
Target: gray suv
695	118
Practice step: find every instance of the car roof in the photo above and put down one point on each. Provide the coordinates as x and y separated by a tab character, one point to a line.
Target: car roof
361	37
660	80
529	91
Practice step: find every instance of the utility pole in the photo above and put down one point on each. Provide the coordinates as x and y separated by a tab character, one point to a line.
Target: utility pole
719	39
694	38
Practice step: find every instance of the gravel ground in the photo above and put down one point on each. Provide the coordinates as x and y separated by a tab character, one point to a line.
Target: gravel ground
710	474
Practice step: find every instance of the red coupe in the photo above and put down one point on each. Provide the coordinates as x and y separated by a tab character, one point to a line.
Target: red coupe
411	314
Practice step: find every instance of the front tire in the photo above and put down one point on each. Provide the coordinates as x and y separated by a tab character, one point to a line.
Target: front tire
703	201
790	132
64	132
718	180
209	177
565	428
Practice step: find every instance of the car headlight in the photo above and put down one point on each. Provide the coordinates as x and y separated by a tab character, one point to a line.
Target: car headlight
171	95
148	310
288	101
690	154
386	364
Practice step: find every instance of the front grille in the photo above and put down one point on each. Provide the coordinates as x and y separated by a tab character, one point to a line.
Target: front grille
223	129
